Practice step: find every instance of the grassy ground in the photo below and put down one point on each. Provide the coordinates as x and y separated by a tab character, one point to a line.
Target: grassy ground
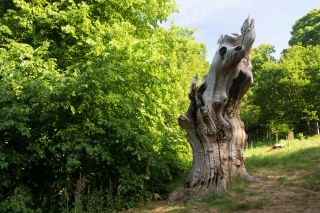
291	183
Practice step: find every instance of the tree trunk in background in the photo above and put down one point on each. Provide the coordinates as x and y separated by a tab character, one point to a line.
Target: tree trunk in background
215	130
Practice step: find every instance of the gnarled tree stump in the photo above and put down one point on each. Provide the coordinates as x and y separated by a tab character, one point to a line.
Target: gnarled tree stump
215	130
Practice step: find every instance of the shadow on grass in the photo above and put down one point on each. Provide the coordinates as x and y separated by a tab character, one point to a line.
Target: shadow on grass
260	143
234	200
305	162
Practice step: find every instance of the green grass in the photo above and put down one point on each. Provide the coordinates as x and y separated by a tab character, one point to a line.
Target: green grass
227	204
295	167
233	200
298	154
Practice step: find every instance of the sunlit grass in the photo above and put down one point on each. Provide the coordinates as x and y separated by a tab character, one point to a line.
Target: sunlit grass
297	165
301	157
297	154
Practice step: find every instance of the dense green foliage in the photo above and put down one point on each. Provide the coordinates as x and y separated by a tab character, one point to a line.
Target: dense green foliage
306	30
285	95
90	91
294	169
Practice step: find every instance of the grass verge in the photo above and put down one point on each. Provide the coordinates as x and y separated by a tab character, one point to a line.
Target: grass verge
291	183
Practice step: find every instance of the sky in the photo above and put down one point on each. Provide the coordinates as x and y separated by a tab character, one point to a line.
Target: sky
211	18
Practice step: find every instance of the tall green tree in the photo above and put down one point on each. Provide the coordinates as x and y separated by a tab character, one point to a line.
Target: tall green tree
280	99
90	92
284	97
306	30
250	111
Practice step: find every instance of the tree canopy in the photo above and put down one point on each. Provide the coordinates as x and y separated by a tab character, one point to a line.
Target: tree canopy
90	92
306	30
284	96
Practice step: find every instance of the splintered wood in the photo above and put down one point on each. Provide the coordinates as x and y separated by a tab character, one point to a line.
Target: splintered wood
215	130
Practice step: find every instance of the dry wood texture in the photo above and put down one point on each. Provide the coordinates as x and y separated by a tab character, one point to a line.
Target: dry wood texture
215	130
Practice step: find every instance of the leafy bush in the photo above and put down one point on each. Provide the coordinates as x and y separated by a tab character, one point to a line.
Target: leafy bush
90	90
300	136
20	201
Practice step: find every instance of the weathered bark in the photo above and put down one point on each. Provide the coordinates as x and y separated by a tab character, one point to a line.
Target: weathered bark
215	130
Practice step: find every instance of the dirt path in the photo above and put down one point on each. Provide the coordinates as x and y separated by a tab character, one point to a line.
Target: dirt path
284	198
279	192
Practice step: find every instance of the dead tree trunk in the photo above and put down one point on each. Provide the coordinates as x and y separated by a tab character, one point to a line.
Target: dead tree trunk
215	130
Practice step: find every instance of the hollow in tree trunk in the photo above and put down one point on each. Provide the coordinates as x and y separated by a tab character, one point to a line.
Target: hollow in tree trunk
215	130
